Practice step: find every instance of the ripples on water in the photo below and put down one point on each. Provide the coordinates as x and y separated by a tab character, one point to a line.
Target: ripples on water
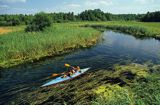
115	48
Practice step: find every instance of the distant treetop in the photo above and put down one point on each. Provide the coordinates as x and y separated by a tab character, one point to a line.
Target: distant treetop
87	15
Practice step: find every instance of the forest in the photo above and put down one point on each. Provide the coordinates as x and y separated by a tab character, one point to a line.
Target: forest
87	15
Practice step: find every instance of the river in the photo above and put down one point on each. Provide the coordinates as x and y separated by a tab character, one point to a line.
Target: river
115	48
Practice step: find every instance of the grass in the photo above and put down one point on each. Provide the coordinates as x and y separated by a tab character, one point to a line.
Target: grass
139	29
19	47
102	87
9	29
4	30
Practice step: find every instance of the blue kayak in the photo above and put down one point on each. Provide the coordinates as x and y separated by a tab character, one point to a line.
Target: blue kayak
61	79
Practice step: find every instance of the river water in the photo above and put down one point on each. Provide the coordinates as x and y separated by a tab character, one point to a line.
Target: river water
114	48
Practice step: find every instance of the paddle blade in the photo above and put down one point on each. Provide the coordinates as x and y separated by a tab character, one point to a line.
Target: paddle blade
54	75
67	65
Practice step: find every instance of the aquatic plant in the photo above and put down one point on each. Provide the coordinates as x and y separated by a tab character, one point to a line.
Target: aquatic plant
112	95
144	88
141	71
100	88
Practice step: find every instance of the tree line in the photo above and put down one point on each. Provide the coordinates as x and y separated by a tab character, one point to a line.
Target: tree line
87	15
151	17
13	20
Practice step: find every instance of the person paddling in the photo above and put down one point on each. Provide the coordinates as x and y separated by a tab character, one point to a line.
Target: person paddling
78	69
71	70
69	67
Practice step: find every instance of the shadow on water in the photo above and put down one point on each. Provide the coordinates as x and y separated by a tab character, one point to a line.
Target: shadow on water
116	48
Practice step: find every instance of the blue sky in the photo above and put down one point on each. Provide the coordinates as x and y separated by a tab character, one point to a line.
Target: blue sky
77	6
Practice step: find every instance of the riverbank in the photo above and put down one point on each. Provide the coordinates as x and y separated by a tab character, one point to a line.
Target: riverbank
138	29
131	84
20	47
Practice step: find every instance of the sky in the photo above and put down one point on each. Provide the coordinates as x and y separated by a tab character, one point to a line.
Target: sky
77	6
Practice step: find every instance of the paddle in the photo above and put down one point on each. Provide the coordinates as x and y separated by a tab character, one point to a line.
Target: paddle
55	74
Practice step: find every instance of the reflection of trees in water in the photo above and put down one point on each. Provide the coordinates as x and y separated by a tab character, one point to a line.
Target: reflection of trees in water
0	73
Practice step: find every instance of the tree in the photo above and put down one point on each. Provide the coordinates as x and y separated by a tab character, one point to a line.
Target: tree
151	17
93	15
39	22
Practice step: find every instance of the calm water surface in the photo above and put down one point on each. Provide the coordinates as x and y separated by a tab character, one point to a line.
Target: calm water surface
114	48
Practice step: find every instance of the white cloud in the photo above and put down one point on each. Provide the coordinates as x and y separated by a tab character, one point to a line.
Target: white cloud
4	7
73	5
144	1
105	2
98	3
78	7
13	1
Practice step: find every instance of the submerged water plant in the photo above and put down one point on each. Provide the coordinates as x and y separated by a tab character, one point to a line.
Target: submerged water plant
113	95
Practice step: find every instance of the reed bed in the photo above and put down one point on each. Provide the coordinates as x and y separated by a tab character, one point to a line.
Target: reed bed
17	47
138	29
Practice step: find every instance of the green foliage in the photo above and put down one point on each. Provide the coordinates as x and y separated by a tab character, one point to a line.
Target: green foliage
18	47
112	95
141	94
155	69
126	17
62	17
138	70
138	29
87	15
92	15
11	20
146	91
151	17
40	21
98	15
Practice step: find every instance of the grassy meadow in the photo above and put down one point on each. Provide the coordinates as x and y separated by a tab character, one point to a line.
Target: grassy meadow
139	29
9	29
18	46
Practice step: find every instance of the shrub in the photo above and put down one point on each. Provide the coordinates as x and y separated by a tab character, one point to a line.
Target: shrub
39	22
